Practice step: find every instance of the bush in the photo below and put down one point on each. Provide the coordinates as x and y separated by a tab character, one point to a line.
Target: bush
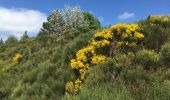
71	48
156	30
149	59
165	54
108	71
45	81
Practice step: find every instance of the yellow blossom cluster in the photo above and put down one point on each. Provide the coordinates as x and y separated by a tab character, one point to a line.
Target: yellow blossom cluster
138	35
98	59
155	18
73	87
17	57
106	33
87	56
126	34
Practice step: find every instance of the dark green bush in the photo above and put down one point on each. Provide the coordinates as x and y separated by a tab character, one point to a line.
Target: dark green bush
149	59
108	71
165	54
156	30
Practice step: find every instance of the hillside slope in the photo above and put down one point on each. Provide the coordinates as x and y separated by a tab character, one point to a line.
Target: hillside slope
129	62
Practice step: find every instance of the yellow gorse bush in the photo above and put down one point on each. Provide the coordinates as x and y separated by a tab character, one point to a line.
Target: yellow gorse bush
120	34
17	57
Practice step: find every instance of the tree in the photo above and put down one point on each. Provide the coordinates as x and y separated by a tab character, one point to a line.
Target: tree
1	41
74	18
11	40
94	23
55	23
25	35
61	21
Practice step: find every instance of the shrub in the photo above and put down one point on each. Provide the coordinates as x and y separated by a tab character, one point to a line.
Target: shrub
126	35
138	81
165	54
156	30
149	59
108	71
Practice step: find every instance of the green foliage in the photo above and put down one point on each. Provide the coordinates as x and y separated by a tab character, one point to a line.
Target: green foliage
44	68
93	22
71	48
24	36
1	41
102	92
149	59
11	41
162	90
156	30
108	71
165	54
43	82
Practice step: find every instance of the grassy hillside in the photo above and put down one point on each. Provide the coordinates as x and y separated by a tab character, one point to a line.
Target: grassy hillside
126	62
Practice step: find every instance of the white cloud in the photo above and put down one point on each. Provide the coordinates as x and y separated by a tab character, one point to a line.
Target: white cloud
126	15
16	21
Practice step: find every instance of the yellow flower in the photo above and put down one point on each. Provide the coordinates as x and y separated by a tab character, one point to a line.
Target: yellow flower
76	87
73	63
138	35
107	35
80	64
98	59
78	81
81	56
82	71
124	35
17	57
82	76
105	42
69	87
98	34
86	56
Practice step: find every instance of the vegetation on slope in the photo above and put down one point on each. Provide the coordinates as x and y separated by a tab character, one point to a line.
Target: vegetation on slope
126	62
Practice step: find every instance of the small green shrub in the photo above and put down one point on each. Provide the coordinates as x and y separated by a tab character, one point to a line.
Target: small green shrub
108	71
165	54
149	59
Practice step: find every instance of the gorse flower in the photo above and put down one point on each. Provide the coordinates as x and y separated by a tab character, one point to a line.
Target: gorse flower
120	34
17	57
97	59
138	35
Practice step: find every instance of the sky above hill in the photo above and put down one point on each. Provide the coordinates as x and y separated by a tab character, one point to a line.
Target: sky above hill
16	16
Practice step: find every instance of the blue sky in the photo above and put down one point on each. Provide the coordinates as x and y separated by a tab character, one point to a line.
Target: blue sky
108	11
